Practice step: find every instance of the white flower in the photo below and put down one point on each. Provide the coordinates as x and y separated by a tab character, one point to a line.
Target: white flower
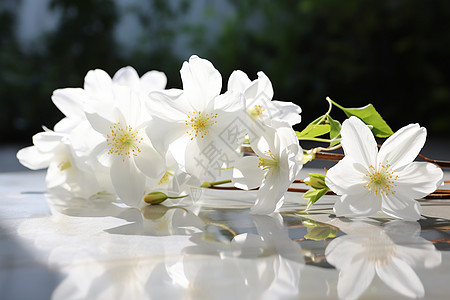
388	180
125	148
112	139
278	161
259	104
391	252
202	127
65	170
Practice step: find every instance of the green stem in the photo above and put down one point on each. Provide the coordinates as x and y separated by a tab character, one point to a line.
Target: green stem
178	197
314	139
334	103
330	105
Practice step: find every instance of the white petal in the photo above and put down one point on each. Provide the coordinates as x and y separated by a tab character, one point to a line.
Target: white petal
203	159
285	136
97	82
34	159
128	182
66	125
127	76
153	80
286	112
358	142
228	102
360	205
162	133
246	173
270	194
201	81
150	162
99	123
238	81
128	105
355	280
48	140
401	207
402	147
398	275
70	101
170	105
345	177
418	179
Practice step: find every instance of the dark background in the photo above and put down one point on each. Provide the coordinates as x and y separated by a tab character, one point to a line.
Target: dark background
392	53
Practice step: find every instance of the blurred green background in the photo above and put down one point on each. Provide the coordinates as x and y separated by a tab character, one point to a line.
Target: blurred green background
391	53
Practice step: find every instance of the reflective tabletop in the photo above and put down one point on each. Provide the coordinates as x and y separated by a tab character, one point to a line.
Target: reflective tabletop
208	246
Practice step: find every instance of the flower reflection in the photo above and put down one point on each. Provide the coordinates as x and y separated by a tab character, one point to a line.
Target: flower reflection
113	257
242	266
393	252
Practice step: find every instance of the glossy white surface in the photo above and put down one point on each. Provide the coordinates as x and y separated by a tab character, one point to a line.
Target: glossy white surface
212	248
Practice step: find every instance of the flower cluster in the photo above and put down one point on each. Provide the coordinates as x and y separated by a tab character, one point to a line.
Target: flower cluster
127	135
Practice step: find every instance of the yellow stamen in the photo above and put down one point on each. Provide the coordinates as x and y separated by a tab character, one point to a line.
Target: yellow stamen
255	112
165	178
199	124
124	141
381	179
64	165
268	163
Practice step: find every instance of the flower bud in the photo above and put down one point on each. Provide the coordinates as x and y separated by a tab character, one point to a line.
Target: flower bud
155	198
316	181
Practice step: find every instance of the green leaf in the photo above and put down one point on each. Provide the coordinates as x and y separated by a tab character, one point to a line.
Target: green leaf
335	131
313	195
314	129
369	115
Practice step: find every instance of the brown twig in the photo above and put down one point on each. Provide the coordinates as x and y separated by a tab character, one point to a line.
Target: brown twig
438	194
329	156
439	163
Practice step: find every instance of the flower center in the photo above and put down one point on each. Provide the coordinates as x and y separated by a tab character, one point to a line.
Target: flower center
64	165
255	112
379	249
380	180
124	141
268	163
199	124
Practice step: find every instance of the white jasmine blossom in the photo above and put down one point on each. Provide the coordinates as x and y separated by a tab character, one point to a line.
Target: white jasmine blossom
65	170
126	150
369	180
275	167
258	97
198	125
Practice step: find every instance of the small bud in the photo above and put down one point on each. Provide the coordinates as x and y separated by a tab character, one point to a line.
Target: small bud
316	181
206	184
155	198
